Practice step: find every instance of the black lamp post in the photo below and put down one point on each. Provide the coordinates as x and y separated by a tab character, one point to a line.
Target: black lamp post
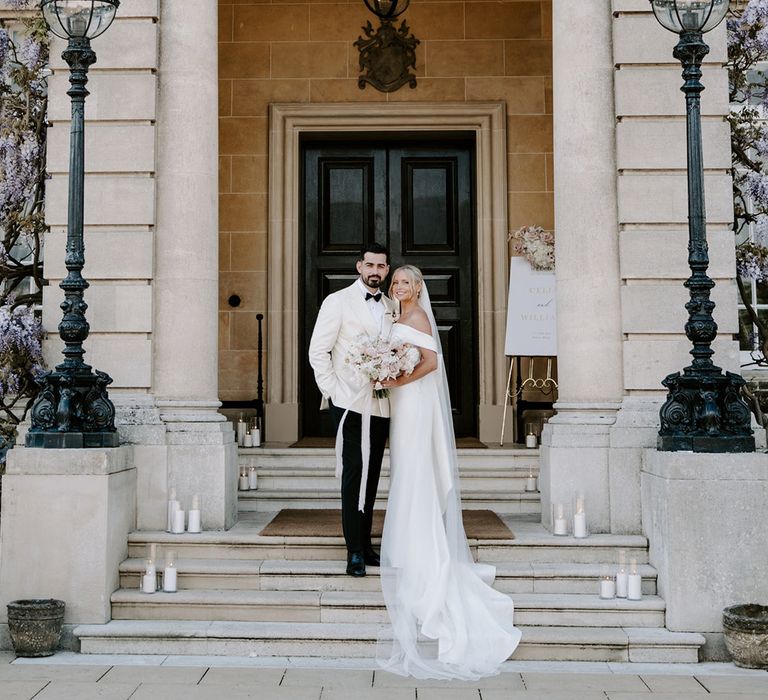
72	408
704	410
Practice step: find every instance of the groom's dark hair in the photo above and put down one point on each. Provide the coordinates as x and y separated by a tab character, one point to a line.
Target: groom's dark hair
376	249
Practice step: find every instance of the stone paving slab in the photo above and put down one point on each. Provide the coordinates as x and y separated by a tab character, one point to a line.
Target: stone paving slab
673	684
371	694
71	690
161	674
236	677
26	672
327	678
499	694
723	684
610	695
586	681
175	691
20	690
509	681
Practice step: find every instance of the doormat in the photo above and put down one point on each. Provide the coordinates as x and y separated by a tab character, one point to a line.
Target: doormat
465	443
300	522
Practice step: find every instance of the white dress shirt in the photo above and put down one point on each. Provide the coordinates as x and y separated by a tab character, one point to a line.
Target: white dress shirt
375	307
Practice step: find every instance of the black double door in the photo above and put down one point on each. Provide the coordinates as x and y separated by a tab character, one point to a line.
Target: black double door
418	201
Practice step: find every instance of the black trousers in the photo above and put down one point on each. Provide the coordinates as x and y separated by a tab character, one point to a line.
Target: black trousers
357	525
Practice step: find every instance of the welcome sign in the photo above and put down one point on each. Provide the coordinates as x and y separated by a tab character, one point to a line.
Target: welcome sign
531	311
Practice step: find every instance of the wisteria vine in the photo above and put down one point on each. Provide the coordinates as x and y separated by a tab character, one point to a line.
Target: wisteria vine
747	48
23	126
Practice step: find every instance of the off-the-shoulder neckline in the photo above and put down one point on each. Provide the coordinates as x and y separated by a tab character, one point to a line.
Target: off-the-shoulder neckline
406	325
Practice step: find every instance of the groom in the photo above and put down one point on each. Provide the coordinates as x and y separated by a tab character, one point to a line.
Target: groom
360	309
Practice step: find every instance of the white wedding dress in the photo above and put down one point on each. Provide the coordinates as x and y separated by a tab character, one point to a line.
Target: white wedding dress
446	619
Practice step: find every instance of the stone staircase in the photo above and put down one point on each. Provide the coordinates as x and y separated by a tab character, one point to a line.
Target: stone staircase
304	478
241	593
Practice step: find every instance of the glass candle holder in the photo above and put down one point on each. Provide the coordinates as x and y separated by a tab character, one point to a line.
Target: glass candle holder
579	516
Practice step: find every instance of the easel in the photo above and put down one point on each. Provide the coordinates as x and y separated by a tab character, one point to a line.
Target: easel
547	385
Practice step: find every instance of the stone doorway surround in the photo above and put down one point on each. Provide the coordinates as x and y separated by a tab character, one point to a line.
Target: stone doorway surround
287	123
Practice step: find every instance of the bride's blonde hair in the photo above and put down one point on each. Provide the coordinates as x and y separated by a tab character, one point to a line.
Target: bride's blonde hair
414	275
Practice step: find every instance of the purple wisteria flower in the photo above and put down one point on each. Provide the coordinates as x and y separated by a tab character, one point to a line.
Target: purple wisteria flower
21	357
29	52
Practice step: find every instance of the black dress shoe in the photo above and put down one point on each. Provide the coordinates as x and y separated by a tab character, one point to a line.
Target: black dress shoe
355	564
372	558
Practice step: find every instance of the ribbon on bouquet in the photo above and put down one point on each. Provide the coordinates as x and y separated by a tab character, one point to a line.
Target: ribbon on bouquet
365	441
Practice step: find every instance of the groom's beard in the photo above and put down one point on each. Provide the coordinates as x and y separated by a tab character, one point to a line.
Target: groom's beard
374	281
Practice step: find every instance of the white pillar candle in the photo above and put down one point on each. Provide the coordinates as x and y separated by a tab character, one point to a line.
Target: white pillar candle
194	521
530	483
580	525
173	506
530	441
560	524
248	440
242	427
169	578
634	582
579	517
252	479
178	522
621	583
243	481
607	587
149	582
256	435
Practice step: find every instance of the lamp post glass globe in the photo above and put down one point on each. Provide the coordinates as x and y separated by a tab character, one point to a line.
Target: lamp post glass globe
79	19
682	16
387	9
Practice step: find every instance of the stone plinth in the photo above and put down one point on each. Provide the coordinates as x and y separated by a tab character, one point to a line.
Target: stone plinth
66	515
704	516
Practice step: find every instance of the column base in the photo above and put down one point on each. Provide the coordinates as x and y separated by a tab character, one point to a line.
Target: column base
722	444
57	440
574	459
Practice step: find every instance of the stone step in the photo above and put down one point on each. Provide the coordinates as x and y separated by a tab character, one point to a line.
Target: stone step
503	461
533	609
284	575
528	547
339	640
501	501
310	479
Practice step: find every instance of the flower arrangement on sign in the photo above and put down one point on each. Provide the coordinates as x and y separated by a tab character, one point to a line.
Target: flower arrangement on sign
536	245
378	359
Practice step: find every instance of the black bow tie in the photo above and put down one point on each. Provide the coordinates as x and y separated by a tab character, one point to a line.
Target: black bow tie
375	297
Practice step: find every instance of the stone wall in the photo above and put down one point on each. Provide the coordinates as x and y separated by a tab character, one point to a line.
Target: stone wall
303	52
119	196
652	197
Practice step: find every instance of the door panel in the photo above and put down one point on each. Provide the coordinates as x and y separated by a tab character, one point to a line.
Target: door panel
419	203
432	227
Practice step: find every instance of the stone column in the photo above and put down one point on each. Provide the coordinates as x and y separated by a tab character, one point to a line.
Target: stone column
200	449
575	443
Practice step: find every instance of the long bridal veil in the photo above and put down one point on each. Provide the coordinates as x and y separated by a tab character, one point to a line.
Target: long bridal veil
446	620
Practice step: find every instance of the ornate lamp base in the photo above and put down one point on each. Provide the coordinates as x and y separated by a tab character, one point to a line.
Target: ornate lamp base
73	410
705	414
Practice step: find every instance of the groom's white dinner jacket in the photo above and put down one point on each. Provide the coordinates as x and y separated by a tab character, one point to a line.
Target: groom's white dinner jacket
343	317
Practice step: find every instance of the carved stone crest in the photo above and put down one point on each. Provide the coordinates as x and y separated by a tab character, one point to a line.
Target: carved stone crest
386	56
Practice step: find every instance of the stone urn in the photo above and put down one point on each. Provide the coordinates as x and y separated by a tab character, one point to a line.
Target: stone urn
746	634
35	625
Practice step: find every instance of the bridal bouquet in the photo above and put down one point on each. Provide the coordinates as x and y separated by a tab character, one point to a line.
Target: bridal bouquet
378	359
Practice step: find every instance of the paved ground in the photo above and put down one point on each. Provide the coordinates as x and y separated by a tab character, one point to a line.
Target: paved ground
68	676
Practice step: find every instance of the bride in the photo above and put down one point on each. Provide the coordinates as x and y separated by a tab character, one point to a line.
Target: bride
447	620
